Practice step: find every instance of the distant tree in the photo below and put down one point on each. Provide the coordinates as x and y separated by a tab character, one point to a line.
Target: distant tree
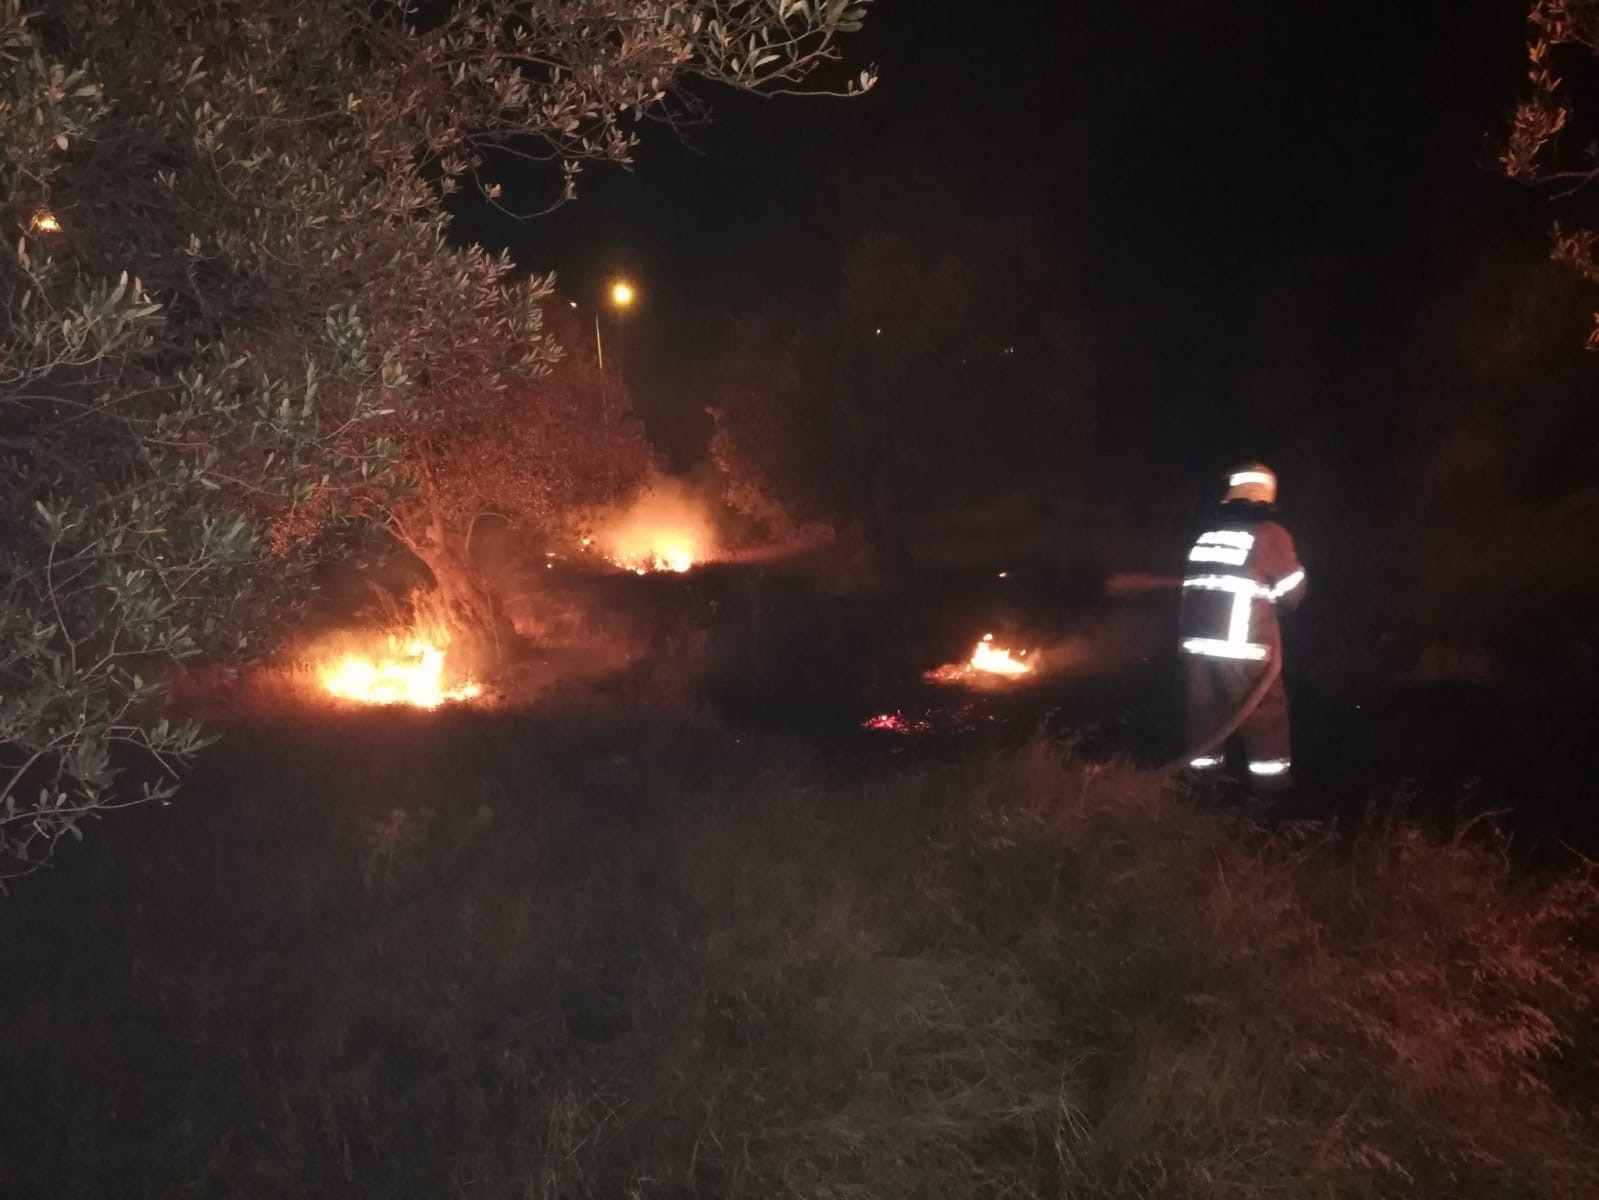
937	375
1490	508
771	429
234	331
1502	340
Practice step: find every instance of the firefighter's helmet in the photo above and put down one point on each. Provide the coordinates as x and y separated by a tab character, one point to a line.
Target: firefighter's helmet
1253	482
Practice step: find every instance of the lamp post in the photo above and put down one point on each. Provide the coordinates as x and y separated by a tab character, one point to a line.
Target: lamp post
622	297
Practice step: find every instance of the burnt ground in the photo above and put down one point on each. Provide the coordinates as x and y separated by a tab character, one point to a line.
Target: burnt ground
1502	722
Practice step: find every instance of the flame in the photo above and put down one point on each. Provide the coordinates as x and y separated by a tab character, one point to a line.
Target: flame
996	660
987	660
413	675
667	528
667	557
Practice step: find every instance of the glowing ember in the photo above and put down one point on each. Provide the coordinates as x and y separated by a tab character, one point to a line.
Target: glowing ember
988	661
963	718
414	676
896	723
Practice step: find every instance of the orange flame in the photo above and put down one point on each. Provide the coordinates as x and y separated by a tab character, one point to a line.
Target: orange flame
996	660
414	676
987	661
666	528
665	557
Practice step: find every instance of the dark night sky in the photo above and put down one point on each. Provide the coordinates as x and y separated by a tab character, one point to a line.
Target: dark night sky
1228	155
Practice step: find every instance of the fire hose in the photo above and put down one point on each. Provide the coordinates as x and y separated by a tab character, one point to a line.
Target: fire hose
1217	738
1127	584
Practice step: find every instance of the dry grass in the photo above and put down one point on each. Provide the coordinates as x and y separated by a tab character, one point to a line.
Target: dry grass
506	961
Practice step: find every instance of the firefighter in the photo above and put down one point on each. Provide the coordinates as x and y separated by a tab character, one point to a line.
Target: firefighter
1240	571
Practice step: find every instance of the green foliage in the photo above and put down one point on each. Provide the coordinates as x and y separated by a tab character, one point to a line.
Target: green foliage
651	960
234	331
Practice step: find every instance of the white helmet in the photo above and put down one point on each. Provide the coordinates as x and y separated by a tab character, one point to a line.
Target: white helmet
1254	482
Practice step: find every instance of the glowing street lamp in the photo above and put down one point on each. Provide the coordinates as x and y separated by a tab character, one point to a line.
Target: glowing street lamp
44	221
623	294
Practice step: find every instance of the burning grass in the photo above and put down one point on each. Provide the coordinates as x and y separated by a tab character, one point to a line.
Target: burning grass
989	663
640	959
411	671
667	527
406	668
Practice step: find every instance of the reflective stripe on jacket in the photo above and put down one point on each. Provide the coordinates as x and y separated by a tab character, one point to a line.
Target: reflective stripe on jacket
1239	570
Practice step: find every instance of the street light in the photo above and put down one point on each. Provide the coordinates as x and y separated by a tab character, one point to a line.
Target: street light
622	296
44	221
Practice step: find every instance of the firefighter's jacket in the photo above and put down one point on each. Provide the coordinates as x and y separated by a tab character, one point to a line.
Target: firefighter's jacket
1240	569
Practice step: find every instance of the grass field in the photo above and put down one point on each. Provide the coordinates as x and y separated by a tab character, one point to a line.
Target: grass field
619	956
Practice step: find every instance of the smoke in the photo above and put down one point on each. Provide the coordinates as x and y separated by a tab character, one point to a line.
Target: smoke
1119	642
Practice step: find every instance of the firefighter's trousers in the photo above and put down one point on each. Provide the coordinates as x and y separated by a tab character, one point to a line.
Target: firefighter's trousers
1217	688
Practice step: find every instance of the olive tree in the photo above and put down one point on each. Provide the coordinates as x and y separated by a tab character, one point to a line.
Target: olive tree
1551	141
235	331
